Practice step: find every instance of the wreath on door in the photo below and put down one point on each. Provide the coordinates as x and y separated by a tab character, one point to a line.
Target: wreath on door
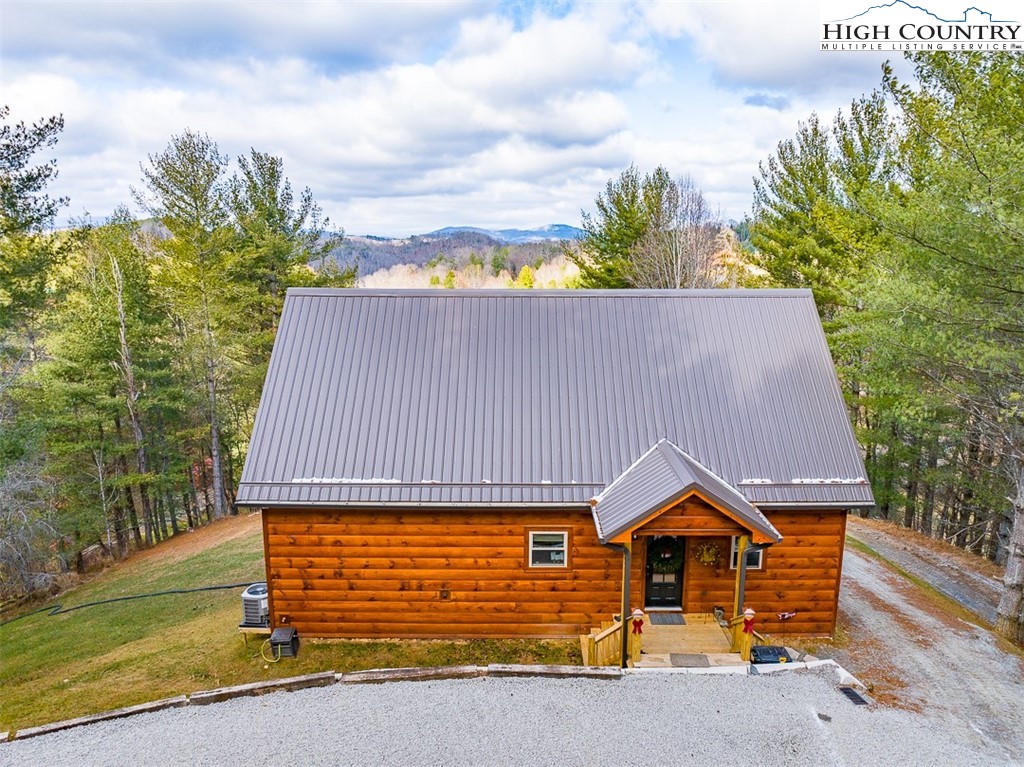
666	555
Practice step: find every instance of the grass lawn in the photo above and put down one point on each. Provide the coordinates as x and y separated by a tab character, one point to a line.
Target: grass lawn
114	655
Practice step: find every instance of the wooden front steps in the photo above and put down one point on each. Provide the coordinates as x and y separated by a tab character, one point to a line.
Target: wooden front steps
701	638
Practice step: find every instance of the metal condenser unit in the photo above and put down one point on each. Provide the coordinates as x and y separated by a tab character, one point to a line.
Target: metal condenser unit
255	605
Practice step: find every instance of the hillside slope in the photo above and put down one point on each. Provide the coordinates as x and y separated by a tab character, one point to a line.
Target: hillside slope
55	667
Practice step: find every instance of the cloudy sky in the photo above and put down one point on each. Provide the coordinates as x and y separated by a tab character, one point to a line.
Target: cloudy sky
407	116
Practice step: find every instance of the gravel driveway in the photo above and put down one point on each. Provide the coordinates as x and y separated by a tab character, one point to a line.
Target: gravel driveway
793	718
951	696
975	591
919	657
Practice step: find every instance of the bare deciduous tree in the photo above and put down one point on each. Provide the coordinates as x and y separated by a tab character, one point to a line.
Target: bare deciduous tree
26	531
678	249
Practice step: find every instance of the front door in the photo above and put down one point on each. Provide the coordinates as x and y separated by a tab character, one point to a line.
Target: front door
665	556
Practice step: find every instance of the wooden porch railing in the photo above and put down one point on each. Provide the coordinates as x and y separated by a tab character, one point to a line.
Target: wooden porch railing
603	646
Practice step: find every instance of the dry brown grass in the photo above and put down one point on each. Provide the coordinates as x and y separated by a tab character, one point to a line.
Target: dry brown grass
920	540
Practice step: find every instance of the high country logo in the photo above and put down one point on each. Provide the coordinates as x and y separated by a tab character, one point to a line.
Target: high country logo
900	25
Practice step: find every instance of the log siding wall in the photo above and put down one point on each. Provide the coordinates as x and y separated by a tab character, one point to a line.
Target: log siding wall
464	572
435	573
800	573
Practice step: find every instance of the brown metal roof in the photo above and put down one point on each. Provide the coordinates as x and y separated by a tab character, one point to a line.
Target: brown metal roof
661	476
544	397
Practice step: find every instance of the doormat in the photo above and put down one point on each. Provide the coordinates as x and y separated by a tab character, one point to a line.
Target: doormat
689	660
666	619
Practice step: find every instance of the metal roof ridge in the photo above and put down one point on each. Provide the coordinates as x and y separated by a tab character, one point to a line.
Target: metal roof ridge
673	455
555	292
714	474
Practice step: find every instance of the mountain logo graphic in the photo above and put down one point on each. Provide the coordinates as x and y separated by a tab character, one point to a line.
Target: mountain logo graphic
904	6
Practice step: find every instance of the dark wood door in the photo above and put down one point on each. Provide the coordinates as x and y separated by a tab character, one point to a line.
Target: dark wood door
664	584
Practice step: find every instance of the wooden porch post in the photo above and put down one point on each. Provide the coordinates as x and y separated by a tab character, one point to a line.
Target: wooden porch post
741	574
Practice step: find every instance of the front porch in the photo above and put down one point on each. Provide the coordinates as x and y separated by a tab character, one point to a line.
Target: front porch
699	643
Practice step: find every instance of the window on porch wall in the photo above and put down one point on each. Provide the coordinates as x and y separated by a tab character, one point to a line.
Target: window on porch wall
754	558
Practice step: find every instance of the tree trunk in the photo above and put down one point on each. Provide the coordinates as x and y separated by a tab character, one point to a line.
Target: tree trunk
910	499
159	528
1010	612
218	472
172	512
928	508
186	500
128	512
229	488
132	394
204	481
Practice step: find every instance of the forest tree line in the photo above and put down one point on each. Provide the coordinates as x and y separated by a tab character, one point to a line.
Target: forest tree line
132	355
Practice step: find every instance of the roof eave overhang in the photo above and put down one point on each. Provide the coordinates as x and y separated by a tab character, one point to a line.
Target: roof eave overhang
816	504
574	505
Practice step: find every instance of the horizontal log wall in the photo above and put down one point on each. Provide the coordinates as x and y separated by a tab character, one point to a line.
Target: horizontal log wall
422	574
801	573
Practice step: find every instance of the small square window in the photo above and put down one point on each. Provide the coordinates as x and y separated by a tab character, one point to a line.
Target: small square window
754	558
549	549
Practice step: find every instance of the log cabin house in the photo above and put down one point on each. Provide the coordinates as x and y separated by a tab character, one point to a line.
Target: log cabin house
524	463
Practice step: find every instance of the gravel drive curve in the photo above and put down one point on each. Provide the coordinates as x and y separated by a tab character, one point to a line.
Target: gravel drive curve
789	718
975	591
917	656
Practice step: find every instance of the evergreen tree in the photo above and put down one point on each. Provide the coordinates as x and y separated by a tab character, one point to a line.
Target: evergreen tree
187	190
907	223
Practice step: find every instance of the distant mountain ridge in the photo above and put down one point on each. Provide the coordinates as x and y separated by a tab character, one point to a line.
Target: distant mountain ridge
456	244
550	232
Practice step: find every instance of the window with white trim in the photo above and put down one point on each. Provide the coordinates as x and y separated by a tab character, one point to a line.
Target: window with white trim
754	558
549	548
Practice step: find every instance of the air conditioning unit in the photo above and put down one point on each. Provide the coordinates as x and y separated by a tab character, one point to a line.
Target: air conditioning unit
255	606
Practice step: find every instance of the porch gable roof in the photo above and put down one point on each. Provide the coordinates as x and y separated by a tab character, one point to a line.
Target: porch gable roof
659	478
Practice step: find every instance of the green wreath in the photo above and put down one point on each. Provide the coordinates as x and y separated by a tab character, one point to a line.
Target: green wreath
665	555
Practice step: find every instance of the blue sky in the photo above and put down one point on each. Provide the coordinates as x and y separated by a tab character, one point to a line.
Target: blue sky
403	117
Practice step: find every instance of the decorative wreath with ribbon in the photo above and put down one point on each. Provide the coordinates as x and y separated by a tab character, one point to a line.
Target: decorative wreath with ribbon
707	553
666	555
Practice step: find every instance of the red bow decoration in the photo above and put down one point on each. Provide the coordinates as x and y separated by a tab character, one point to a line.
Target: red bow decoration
638	626
748	625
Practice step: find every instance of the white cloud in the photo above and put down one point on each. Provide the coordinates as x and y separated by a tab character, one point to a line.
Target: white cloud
406	118
578	51
145	34
762	45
